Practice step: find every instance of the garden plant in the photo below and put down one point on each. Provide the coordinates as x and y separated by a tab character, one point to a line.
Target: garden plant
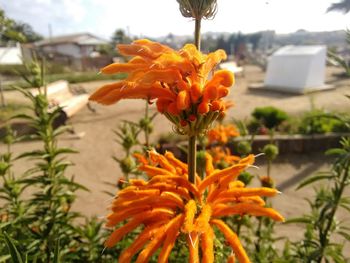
203	209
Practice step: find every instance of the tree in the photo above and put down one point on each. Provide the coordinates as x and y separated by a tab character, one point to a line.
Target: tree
27	31
15	31
120	37
342	6
7	30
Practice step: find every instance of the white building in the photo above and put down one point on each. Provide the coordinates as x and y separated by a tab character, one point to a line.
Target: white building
11	55
297	69
75	46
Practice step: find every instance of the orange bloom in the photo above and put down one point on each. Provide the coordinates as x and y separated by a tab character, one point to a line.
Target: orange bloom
169	205
222	133
178	80
223	154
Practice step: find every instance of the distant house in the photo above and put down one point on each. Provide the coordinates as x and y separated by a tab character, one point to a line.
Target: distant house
76	49
76	45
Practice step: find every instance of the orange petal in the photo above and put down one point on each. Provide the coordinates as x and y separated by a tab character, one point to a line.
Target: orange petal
232	172
172	109
155	47
246	208
139	242
203	107
162	161
233	240
238	192
192	243
170	76
210	92
190	212
169	242
118	67
207	245
216	105
112	93
162	104
196	92
222	77
223	92
211	61
183	100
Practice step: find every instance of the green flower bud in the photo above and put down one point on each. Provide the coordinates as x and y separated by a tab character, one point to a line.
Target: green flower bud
222	165
146	125
3	168
245	177
271	151
127	165
244	148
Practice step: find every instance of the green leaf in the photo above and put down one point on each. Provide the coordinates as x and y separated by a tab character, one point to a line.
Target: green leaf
4	258
57	252
302	220
344	234
15	255
335	151
64	151
32	154
314	179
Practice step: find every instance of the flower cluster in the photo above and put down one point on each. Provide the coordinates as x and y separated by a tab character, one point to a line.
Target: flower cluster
223	155
179	81
168	205
222	133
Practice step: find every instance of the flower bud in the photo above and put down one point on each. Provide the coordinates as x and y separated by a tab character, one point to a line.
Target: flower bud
270	151
244	148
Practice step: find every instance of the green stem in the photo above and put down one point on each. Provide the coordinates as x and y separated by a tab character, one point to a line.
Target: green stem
191	158
146	128
192	144
324	236
268	168
197	33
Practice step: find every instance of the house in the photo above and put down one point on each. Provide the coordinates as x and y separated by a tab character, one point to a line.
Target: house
76	50
75	45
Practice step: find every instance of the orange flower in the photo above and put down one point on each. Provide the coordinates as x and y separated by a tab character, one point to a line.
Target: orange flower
178	80
169	205
223	154
222	133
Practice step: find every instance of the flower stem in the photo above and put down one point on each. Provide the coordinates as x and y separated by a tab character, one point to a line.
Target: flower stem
324	233
192	144
197	33
191	160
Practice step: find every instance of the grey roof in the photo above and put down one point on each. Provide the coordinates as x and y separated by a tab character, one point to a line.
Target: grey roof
80	39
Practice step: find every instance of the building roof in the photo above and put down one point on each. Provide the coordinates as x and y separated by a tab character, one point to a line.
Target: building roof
79	38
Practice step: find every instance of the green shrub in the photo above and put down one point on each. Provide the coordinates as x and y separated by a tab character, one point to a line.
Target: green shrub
269	116
319	121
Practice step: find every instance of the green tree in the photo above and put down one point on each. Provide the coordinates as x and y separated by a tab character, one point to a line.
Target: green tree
120	37
28	32
8	31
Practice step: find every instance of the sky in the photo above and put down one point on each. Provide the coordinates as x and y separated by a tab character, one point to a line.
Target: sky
156	18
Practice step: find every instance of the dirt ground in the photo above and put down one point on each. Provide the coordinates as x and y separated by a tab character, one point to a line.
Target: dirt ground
94	165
